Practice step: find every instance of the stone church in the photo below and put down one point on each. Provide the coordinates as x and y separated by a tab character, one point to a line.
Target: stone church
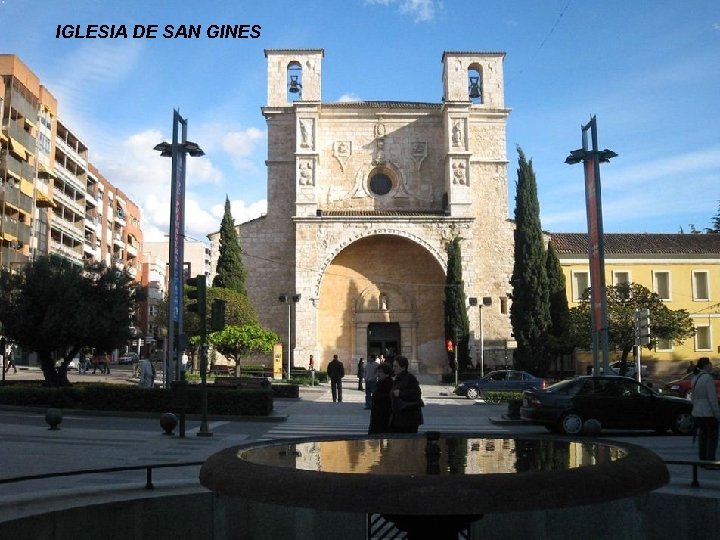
362	200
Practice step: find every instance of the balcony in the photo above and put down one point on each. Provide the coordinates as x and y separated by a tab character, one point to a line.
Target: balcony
67	227
22	136
69	178
76	206
61	249
71	152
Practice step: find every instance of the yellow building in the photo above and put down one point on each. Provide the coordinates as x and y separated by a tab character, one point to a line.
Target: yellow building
683	269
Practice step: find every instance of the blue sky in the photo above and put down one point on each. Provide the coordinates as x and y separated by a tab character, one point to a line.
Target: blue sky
649	70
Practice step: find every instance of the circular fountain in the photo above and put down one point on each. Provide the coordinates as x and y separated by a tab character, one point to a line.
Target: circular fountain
445	481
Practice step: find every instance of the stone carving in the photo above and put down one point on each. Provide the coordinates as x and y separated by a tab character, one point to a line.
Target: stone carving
379	130
457	133
459	176
418	152
306	135
306	169
342	150
379	158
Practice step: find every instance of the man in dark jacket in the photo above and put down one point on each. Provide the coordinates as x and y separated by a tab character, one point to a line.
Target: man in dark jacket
336	371
381	401
406	397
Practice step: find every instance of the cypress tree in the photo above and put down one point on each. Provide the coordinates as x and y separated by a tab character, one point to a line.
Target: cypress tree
530	310
559	342
456	319
230	270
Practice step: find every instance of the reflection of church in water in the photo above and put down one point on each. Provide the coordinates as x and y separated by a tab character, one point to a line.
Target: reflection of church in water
362	199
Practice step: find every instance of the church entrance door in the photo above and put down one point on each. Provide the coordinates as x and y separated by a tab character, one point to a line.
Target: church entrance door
383	338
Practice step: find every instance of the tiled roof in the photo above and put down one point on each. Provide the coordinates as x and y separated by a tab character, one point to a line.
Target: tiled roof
640	243
382	213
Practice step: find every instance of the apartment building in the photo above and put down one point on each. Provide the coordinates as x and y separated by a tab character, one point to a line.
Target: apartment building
53	201
683	269
27	120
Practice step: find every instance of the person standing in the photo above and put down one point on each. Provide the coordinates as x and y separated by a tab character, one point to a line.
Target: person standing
336	371
705	410
406	398
370	379
381	406
361	373
147	373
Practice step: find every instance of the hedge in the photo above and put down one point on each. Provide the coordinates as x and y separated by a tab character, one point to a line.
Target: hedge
110	397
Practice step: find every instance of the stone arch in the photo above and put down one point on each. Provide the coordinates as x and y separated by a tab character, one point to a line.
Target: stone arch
475	82
294	80
440	258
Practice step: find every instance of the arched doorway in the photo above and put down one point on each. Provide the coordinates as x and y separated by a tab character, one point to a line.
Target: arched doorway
384	338
388	284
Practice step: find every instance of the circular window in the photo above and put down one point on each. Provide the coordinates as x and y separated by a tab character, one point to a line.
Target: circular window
380	184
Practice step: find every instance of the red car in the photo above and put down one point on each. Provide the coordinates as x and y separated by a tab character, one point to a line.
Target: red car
683	387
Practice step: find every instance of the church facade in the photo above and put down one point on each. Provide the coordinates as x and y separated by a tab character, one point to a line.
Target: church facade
363	198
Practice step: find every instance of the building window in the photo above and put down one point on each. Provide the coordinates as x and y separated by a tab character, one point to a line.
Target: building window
380	184
663	345
661	284
503	305
700	286
580	283
702	338
620	277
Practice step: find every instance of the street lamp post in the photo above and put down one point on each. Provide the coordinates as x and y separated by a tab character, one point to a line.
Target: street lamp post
289	299
177	151
486	301
591	159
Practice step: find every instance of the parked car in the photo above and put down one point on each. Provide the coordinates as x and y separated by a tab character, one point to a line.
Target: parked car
73	365
629	371
502	380
615	402
128	359
683	387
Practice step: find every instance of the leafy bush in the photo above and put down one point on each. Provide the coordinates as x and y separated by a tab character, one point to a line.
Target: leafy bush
501	397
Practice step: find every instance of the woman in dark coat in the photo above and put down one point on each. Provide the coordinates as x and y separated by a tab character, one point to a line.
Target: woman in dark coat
406	399
380	404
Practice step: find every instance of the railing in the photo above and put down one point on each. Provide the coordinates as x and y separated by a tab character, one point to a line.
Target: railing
695	464
148	472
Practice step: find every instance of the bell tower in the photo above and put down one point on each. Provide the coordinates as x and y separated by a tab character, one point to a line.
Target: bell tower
293	75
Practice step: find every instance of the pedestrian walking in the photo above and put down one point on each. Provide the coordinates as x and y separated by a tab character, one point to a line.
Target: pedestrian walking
406	399
706	411
361	373
336	371
381	406
370	379
10	360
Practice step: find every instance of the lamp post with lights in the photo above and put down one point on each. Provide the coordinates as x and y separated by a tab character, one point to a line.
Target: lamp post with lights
177	151
591	159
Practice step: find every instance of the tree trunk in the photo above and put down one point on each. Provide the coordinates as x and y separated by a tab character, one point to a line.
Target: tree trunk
53	376
623	361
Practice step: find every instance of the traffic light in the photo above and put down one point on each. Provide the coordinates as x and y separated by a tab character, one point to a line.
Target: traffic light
642	326
217	315
449	345
197	292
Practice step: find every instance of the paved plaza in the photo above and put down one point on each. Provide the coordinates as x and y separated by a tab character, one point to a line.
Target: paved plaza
92	441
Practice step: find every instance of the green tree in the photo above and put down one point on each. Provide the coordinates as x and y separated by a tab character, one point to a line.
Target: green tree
715	229
623	300
230	270
530	310
55	310
239	341
559	341
238	310
457	326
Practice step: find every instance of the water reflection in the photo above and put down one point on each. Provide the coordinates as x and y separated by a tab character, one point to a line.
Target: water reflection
446	456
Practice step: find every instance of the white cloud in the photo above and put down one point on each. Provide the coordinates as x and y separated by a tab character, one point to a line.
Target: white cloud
349	98
682	166
419	10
